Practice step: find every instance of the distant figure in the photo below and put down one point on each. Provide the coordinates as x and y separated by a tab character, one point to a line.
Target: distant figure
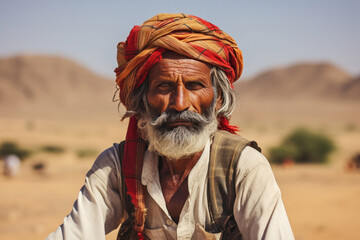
11	165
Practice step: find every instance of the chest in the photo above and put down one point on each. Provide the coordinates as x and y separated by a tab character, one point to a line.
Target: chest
175	195
192	211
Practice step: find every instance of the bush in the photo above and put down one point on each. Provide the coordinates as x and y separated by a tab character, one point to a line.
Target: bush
280	153
303	146
52	149
8	148
87	152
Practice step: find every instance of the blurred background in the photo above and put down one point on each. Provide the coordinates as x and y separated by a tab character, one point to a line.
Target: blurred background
299	98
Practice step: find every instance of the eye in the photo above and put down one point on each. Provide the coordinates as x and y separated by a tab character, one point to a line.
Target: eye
164	86
194	85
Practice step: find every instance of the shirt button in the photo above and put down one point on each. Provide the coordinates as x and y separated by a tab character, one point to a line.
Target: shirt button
168	222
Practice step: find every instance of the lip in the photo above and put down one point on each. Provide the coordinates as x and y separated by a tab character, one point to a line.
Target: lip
178	123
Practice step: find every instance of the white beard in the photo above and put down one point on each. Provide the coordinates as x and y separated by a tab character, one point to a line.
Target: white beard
179	142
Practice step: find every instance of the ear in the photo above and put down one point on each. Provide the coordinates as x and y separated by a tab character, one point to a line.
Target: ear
219	102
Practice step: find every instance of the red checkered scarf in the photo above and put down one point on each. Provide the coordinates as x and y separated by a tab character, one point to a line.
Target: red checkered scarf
184	34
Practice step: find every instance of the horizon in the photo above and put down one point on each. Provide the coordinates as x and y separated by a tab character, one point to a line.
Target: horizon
242	78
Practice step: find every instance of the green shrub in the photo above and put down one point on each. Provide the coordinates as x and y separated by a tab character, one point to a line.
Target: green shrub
303	146
280	153
53	149
86	152
7	148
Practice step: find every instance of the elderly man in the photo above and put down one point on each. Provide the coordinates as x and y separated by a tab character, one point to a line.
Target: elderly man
182	172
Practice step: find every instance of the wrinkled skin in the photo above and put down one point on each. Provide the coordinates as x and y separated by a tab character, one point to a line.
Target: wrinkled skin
179	83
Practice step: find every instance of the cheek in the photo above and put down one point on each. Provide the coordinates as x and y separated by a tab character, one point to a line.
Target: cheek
157	103
203	100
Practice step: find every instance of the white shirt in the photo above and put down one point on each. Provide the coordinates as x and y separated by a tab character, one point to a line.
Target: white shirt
100	207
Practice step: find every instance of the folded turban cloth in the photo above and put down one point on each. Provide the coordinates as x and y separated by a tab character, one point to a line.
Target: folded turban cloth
184	34
187	35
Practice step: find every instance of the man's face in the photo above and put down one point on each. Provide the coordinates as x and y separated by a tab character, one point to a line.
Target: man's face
180	100
177	83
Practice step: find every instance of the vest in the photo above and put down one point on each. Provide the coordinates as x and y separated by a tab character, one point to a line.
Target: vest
225	152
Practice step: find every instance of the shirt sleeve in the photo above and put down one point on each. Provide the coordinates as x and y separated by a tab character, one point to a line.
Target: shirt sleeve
258	209
99	208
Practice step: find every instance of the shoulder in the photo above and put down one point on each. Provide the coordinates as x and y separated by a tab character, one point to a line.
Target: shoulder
246	155
252	160
226	138
107	162
227	145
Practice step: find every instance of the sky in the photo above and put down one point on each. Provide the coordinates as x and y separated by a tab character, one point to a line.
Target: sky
271	33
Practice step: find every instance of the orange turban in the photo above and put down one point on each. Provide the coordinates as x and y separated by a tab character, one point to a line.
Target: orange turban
185	34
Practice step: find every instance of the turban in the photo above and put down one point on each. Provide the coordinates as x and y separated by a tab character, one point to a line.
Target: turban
186	35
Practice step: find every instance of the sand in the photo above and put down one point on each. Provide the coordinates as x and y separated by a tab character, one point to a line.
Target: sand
322	201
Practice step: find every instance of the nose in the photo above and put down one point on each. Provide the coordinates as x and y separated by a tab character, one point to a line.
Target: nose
180	100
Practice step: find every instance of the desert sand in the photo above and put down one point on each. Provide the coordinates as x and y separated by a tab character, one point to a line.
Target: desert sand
48	101
321	201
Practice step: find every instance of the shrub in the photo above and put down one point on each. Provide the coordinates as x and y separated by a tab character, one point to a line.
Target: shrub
86	152
8	148
303	146
53	149
280	153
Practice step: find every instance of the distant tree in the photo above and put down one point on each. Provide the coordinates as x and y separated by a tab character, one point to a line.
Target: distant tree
8	148
303	146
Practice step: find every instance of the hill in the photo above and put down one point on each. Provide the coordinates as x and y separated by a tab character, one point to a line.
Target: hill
351	90
52	86
301	81
318	94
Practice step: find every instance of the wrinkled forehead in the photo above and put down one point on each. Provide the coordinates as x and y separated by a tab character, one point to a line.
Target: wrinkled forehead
174	63
179	68
174	55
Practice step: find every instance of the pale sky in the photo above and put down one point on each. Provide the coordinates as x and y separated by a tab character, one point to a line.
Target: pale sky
271	33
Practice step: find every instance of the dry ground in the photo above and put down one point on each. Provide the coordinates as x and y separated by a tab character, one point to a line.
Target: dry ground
322	202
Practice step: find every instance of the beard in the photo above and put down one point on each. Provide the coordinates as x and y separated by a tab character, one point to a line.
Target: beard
180	141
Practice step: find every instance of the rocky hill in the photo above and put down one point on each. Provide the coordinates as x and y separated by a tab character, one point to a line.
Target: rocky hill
51	85
307	93
301	81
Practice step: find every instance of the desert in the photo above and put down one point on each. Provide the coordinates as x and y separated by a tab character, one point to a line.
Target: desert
53	101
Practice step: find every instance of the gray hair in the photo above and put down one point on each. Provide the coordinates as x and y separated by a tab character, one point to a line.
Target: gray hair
223	89
137	102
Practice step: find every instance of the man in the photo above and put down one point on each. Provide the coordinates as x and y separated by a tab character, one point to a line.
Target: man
182	173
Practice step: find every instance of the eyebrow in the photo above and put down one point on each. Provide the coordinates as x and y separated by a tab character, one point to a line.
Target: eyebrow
165	76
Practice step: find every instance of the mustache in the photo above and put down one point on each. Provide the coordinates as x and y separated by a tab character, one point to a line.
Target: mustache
170	115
